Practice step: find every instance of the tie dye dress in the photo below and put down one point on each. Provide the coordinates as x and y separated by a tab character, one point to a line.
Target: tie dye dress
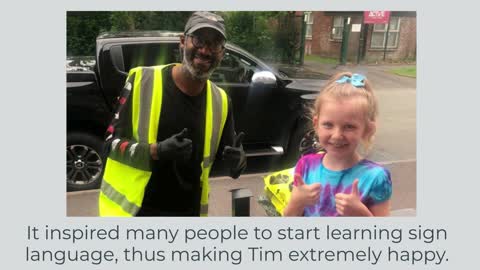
374	183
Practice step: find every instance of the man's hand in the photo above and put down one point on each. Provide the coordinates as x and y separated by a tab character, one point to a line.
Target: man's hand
235	156
177	147
350	204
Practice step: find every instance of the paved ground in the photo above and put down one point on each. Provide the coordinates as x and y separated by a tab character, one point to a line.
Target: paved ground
394	146
83	203
378	75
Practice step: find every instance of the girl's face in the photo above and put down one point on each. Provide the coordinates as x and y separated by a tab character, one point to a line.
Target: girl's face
341	125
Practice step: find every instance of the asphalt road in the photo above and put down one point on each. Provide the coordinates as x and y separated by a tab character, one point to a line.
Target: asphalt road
394	146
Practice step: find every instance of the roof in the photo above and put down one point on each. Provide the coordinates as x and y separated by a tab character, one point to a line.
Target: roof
130	34
360	13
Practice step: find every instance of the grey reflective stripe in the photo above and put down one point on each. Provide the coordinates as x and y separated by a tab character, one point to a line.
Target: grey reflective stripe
216	123
120	199
145	104
204	209
206	162
130	80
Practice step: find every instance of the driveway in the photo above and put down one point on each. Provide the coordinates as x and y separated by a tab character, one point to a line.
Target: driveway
379	75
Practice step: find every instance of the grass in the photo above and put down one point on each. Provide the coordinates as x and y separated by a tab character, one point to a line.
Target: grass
405	71
319	59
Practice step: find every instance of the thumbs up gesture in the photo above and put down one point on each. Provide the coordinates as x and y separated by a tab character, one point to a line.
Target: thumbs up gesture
349	204
235	156
304	194
177	147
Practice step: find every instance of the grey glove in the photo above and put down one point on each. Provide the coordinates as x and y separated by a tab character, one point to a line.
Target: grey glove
235	156
177	147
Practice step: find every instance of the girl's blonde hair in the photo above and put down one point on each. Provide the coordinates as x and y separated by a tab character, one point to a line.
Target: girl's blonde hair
337	90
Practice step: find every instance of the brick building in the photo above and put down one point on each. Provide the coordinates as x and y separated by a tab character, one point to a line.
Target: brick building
366	42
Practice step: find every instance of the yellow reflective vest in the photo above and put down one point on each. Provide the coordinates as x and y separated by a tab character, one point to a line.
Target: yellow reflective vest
123	186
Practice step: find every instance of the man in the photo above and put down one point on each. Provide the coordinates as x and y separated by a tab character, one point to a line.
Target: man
172	123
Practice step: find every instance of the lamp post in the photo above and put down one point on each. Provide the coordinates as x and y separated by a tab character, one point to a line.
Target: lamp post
302	39
345	36
386	39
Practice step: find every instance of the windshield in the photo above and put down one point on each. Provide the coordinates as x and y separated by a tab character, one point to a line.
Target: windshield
259	62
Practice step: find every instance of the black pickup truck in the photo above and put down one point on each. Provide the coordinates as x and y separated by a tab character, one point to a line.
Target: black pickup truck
270	109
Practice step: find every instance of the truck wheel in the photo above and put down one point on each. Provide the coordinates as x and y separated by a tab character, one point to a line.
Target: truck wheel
84	161
292	153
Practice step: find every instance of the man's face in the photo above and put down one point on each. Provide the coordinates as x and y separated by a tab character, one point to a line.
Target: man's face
202	52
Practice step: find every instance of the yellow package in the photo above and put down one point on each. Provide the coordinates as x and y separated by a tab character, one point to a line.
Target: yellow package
278	189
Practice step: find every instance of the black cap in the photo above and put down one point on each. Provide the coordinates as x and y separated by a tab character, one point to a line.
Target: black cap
205	19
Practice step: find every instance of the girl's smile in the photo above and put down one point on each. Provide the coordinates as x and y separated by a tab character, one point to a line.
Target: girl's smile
341	126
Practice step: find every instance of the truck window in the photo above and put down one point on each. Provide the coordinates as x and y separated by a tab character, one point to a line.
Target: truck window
234	69
113	75
149	54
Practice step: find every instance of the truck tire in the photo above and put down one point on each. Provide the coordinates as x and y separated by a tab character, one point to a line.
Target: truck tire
85	161
292	153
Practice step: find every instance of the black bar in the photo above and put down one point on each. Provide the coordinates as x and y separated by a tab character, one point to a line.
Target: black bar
241	202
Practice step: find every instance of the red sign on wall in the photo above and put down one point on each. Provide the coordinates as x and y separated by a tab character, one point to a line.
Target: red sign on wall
376	16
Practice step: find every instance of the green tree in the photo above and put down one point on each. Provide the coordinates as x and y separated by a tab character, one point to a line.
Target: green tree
148	20
82	30
249	30
287	36
273	36
123	21
171	21
84	27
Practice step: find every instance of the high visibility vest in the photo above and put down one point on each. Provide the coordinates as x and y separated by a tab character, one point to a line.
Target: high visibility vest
123	186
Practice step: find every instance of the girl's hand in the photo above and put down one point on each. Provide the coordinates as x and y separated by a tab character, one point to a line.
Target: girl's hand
306	194
302	195
350	204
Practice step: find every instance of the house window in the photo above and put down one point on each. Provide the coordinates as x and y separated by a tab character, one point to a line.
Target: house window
309	24
337	27
379	35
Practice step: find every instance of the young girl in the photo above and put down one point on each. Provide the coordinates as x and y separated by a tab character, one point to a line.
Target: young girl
340	182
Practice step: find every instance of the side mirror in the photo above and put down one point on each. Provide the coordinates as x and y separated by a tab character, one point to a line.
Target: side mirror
265	78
